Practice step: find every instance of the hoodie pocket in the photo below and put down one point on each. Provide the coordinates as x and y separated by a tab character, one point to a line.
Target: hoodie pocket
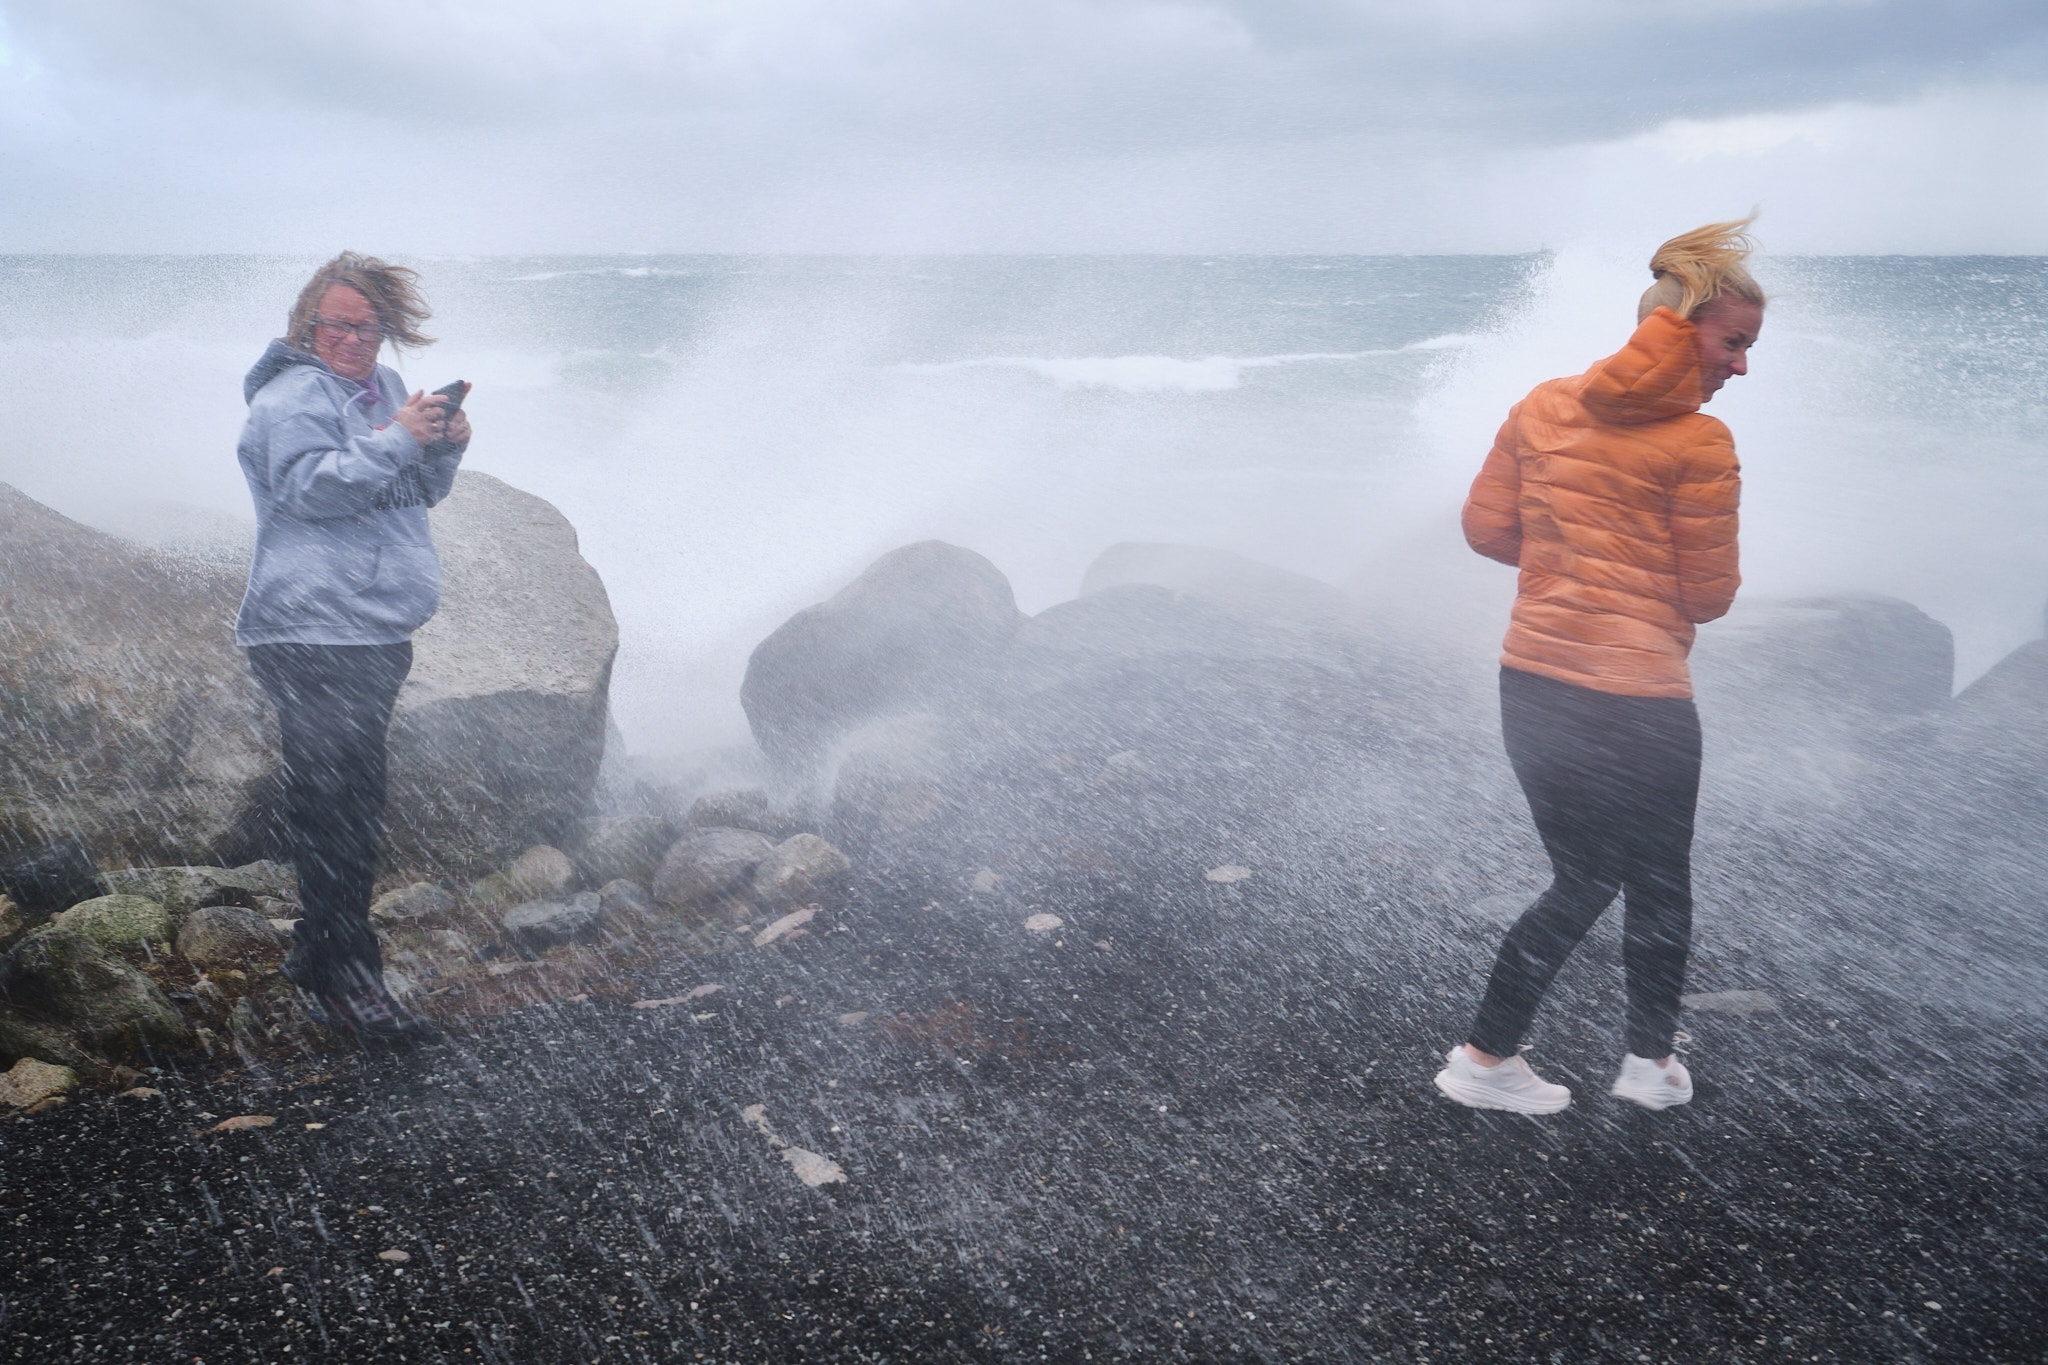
404	587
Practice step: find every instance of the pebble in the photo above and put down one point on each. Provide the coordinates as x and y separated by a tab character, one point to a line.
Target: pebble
985	882
854	1019
139	1092
814	1170
395	1256
793	920
241	1122
1044	924
31	1082
1730	1002
1227	874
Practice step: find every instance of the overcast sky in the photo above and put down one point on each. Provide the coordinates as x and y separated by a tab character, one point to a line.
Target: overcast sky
460	126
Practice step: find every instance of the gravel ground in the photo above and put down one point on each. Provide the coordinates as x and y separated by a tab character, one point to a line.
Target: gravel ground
1194	1122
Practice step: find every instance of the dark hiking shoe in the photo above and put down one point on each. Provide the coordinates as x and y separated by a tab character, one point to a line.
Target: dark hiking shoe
368	1011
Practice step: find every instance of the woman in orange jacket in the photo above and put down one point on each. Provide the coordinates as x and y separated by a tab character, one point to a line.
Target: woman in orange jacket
1616	498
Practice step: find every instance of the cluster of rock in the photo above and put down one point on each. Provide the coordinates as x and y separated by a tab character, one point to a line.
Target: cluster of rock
919	707
123	971
1189	689
132	723
727	864
163	957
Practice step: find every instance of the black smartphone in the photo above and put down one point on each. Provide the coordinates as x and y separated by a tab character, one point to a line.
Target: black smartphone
454	393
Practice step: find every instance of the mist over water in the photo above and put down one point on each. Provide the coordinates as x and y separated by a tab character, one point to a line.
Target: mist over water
735	437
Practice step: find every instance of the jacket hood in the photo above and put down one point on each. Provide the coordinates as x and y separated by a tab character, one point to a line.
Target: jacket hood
1655	376
277	357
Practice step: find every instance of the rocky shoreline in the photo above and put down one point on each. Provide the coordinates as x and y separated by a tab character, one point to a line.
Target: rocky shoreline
1068	989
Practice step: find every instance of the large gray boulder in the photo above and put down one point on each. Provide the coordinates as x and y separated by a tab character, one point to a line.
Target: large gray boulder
1804	700
921	629
130	723
1987	751
1854	658
500	729
128	718
1244	587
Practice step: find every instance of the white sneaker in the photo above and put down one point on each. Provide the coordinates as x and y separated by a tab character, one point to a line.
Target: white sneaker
1511	1085
1653	1086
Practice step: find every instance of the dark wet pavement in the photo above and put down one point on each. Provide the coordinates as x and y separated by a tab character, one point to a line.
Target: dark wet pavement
1213	1139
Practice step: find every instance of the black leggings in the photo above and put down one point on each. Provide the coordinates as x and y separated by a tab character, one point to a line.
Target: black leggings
334	706
1612	782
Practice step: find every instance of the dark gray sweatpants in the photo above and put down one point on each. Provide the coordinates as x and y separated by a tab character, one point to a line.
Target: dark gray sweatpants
1612	782
334	706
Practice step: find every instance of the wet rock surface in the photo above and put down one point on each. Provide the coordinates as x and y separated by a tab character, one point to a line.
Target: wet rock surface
499	731
421	902
132	724
710	870
918	628
118	922
229	933
103	1001
543	924
182	890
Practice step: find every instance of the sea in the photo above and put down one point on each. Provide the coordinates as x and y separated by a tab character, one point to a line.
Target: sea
736	437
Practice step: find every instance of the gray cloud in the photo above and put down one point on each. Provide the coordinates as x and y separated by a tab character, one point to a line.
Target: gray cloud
909	124
1108	75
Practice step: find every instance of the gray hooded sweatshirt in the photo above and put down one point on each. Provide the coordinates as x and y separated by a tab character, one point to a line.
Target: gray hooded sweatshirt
343	554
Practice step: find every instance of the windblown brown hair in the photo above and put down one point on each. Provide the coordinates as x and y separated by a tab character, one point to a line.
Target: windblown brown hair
1695	268
393	292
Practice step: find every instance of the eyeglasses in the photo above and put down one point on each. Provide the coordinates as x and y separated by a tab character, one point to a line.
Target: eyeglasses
337	328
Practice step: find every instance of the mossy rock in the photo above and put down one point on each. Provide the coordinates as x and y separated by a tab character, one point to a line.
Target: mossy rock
120	922
96	997
23	1035
181	890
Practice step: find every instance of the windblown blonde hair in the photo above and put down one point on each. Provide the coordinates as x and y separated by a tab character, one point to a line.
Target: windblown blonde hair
392	290
1697	267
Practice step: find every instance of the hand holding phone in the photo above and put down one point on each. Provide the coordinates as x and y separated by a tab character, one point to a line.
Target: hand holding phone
453	394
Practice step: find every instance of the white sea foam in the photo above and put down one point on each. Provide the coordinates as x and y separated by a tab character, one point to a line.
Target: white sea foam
1166	374
624	272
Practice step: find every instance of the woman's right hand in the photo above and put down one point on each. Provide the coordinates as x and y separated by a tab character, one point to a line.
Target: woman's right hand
424	415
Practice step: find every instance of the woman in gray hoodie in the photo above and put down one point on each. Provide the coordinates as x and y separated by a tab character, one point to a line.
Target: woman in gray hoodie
343	466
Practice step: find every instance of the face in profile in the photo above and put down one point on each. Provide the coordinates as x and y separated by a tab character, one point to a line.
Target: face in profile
347	333
1728	327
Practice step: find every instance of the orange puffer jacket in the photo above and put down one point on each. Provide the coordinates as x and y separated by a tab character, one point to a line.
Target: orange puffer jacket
1616	498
